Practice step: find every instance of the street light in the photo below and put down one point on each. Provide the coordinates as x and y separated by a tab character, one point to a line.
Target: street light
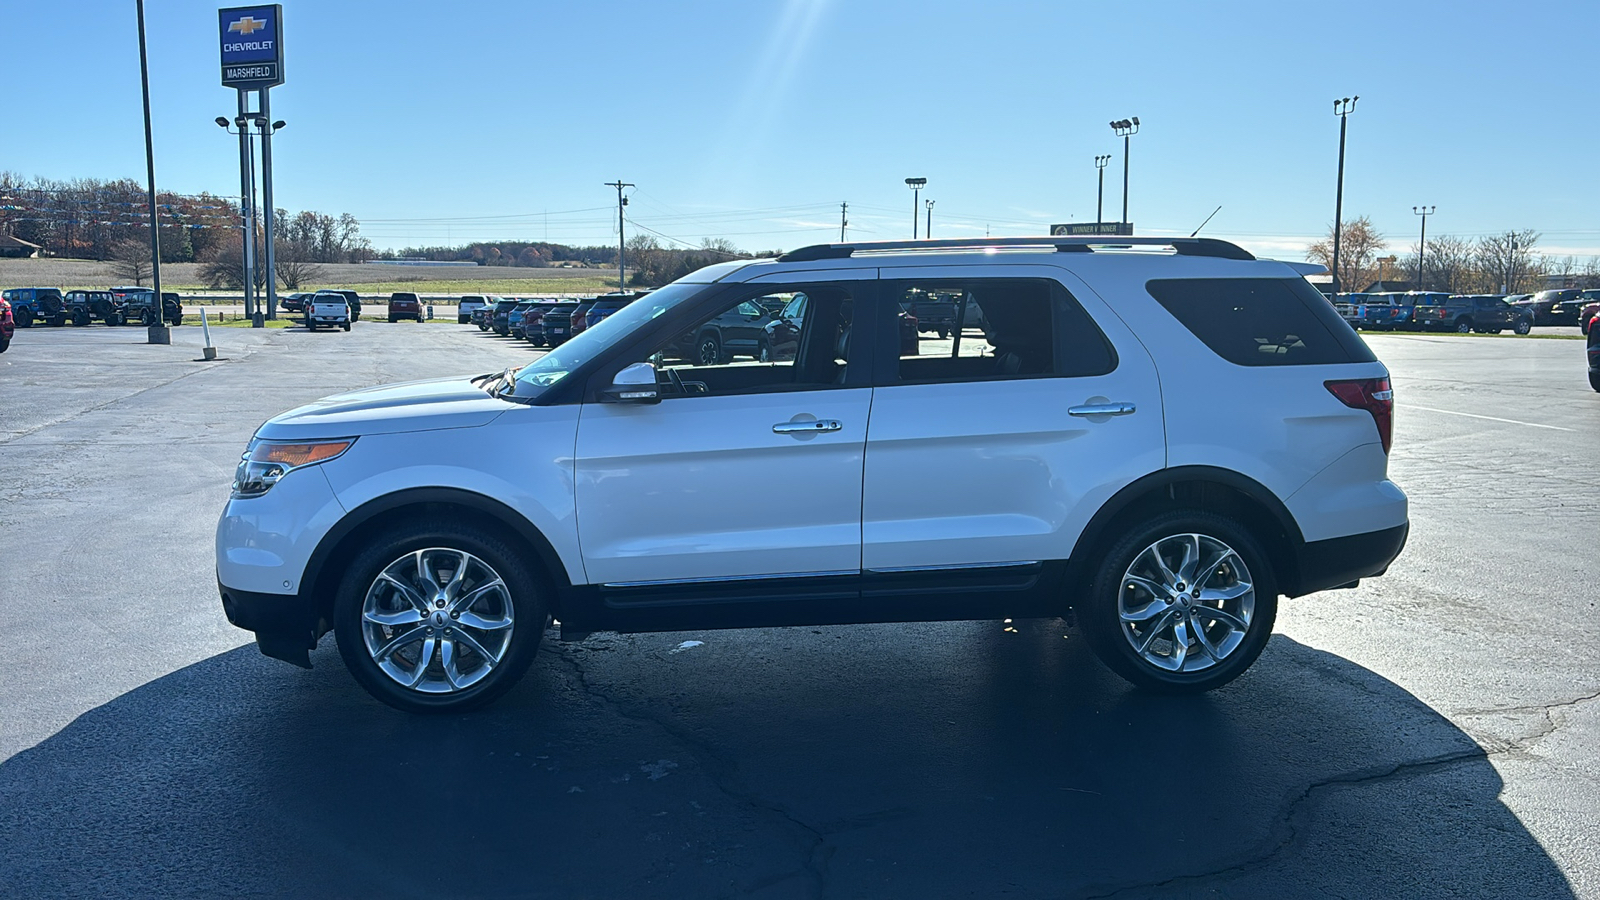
247	202
1100	197
928	231
1125	129
916	185
1422	243
1341	108
265	127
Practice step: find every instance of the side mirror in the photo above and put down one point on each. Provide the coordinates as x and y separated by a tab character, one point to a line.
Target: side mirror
634	384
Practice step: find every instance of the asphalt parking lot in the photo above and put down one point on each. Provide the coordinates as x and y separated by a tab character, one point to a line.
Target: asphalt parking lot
1428	734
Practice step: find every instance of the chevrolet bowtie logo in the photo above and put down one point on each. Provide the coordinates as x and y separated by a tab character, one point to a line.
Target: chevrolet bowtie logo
247	26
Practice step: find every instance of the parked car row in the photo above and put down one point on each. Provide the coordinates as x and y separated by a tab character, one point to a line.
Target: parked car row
113	306
544	321
1434	311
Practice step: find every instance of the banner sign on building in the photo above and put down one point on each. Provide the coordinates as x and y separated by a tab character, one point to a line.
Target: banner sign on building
252	46
1125	229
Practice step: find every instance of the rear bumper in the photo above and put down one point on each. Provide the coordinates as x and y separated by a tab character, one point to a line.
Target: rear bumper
1340	561
285	625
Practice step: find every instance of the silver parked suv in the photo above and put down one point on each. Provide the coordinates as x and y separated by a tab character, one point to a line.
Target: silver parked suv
1165	435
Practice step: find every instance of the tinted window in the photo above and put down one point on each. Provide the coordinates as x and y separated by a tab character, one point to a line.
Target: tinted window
1261	321
992	328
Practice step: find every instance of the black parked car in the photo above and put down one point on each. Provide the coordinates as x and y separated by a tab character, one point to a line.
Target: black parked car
137	305
741	331
1471	313
1594	358
1554	307
499	317
296	302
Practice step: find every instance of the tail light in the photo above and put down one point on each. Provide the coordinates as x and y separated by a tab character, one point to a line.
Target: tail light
1373	395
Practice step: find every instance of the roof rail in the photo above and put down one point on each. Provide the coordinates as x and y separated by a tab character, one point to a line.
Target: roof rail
1183	246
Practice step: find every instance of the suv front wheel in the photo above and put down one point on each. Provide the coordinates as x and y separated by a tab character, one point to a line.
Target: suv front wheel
1183	603
438	617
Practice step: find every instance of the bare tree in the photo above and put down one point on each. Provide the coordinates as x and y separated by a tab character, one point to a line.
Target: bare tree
130	261
1359	245
222	268
294	270
1447	265
1506	261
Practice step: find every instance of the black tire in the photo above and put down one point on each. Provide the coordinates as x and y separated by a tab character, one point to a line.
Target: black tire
763	351
707	350
347	326
1463	325
5	343
529	612
24	318
1102	625
393	320
80	318
114	319
147	318
310	327
1594	380
1522	326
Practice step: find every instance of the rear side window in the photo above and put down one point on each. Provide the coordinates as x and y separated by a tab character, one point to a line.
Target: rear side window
1261	321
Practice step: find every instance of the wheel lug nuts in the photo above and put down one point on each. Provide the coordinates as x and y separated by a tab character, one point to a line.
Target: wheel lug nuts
455	615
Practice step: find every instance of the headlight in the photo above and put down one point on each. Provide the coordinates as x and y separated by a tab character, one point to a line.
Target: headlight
266	461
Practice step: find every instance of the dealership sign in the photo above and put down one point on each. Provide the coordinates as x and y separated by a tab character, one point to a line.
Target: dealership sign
1079	228
252	46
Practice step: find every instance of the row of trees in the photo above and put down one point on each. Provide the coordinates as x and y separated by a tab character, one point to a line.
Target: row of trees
109	220
650	263
1508	262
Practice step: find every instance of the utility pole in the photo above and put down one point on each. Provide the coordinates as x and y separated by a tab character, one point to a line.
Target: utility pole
622	280
1100	198
266	127
928	231
1341	108
1422	243
843	221
247	190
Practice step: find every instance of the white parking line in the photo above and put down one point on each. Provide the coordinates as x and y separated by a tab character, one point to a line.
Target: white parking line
1451	412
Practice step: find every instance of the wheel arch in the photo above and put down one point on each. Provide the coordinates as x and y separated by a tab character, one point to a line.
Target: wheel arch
321	579
1204	488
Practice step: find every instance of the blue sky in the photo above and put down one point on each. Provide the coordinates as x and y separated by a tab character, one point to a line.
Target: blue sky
753	120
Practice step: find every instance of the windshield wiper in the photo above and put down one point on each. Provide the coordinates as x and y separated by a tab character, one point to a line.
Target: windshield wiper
503	382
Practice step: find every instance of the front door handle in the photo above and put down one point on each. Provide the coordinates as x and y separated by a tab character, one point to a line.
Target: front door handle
817	426
1102	409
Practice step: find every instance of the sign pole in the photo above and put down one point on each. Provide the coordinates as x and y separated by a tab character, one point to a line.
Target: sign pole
246	188
265	124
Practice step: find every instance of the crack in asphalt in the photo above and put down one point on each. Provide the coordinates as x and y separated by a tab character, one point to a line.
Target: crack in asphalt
723	772
1291	833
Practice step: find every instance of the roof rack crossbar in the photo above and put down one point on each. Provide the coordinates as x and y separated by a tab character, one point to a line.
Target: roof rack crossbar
1183	246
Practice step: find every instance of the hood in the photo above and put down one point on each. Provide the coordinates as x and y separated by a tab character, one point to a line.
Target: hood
392	408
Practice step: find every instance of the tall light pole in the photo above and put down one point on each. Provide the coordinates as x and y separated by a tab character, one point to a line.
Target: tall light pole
1422	242
928	231
622	281
916	185
247	198
1341	108
1100	196
1125	129
158	332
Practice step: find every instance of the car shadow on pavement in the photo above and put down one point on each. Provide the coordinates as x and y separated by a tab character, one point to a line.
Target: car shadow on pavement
938	760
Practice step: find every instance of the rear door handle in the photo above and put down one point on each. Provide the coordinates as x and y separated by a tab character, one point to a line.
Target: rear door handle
1102	409
816	427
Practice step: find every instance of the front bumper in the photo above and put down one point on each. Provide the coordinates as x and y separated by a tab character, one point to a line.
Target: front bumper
286	625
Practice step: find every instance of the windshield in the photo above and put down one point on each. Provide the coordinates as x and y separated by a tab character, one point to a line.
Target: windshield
536	377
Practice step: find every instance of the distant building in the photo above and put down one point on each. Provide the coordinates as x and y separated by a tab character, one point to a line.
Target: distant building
17	248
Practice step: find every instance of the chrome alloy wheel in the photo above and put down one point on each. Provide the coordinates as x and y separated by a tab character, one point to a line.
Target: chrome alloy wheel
1186	603
437	620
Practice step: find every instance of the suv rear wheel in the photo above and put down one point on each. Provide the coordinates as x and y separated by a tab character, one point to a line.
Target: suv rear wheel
1463	325
438	617
24	318
1183	603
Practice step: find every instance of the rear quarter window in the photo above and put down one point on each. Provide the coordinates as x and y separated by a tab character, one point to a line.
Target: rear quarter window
1261	321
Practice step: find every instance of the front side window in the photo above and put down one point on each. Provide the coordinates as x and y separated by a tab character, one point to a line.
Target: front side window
795	339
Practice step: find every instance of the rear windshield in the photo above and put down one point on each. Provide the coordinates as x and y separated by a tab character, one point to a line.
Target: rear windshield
1261	321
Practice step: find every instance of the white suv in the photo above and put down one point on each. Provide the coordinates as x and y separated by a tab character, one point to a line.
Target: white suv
1162	435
